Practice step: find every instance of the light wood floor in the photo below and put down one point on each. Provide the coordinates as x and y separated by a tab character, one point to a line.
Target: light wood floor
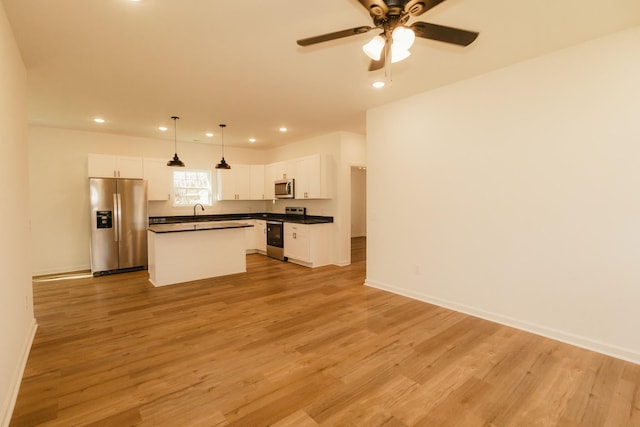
284	345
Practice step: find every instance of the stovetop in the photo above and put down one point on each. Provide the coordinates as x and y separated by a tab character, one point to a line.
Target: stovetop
295	212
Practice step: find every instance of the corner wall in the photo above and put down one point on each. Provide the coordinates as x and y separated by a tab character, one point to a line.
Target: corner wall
17	324
520	196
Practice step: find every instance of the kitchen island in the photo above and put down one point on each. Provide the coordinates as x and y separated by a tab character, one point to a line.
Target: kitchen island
182	252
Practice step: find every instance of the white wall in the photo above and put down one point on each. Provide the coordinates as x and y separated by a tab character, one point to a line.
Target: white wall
59	185
17	324
521	195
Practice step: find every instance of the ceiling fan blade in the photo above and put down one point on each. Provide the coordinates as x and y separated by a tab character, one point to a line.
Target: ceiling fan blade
443	34
418	7
333	36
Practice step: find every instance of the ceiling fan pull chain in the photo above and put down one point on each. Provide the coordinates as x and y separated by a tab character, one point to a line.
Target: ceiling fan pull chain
387	62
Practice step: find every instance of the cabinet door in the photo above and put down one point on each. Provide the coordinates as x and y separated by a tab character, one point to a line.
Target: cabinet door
314	177
242	176
270	173
102	166
296	242
311	175
257	182
234	183
158	176
249	237
226	184
260	234
108	166
130	167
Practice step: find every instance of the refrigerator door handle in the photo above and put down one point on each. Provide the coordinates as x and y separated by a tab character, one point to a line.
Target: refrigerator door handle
116	213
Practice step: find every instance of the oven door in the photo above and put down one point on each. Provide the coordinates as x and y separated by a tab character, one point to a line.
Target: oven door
275	234
275	239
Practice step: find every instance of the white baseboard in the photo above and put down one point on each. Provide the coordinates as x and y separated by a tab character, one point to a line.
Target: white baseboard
8	406
555	334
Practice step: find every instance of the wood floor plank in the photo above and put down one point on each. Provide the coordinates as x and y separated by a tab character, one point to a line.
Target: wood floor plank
285	345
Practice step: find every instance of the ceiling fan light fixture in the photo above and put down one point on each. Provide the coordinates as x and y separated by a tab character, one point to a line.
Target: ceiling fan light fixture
403	37
399	54
374	48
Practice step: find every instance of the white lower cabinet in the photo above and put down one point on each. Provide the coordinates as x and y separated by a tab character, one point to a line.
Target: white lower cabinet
249	236
260	235
296	242
307	244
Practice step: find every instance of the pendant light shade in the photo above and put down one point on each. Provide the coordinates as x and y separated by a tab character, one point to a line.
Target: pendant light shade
175	162
223	164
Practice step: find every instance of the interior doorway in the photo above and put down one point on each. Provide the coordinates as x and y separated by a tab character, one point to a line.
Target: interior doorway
358	213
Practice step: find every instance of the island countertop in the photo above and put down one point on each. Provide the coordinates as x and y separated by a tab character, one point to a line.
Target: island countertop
306	219
195	226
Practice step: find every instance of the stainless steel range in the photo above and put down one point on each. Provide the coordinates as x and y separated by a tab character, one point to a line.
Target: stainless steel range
275	231
275	239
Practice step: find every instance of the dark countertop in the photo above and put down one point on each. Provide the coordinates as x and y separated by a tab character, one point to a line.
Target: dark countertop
307	219
195	226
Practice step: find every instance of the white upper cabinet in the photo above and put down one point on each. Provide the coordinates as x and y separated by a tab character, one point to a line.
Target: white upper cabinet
312	176
158	176
107	166
234	183
257	182
270	172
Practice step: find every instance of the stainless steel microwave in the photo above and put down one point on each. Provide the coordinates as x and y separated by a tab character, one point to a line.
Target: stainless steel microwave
284	189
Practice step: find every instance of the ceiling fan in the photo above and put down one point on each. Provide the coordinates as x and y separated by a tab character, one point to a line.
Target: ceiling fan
391	17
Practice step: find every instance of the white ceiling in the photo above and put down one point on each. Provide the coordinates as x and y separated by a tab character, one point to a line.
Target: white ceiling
237	62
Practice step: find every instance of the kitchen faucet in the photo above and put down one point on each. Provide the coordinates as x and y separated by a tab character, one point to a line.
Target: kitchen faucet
194	209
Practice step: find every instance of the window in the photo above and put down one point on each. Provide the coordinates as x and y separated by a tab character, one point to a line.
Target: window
192	186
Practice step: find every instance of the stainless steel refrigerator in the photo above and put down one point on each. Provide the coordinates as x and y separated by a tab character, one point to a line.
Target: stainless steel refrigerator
118	224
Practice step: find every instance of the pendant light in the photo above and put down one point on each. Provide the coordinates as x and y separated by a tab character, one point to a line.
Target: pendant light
176	162
223	164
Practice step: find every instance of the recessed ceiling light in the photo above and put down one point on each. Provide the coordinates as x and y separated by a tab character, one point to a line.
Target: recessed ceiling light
163	128
377	85
283	129
209	135
252	140
98	120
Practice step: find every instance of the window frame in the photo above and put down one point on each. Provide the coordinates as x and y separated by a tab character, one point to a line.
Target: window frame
199	183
